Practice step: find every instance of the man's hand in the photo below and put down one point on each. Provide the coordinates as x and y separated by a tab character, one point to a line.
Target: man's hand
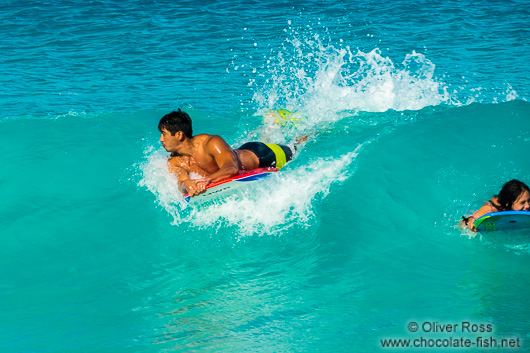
202	183
195	187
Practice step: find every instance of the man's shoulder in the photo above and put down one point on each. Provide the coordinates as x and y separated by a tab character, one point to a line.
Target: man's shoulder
207	139
203	138
178	163
177	159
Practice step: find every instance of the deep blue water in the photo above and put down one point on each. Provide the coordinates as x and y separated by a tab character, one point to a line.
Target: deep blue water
417	112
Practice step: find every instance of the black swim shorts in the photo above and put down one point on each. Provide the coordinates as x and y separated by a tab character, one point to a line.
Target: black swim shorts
269	155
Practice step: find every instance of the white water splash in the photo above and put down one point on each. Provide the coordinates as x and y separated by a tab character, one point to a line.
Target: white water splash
285	199
511	94
164	185
324	84
320	79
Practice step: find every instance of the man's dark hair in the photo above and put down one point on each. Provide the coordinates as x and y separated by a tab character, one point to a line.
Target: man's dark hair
176	121
510	192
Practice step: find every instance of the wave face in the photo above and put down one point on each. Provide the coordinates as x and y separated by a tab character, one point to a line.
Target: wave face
416	114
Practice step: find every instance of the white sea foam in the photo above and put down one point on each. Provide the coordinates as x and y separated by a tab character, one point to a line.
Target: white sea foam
283	200
156	177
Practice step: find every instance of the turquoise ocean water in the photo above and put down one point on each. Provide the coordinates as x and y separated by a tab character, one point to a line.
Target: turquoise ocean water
417	111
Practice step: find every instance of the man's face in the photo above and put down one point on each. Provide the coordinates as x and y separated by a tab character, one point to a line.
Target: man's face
169	142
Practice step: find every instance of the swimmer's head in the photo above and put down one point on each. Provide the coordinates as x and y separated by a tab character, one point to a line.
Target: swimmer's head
515	195
176	121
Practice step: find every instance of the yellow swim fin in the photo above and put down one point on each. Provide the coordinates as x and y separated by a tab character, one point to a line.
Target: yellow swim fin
283	117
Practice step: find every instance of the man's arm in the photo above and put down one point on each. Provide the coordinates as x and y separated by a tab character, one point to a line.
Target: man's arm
225	158
186	185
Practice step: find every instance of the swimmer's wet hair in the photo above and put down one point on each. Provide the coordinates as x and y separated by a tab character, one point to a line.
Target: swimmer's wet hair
176	121
510	192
